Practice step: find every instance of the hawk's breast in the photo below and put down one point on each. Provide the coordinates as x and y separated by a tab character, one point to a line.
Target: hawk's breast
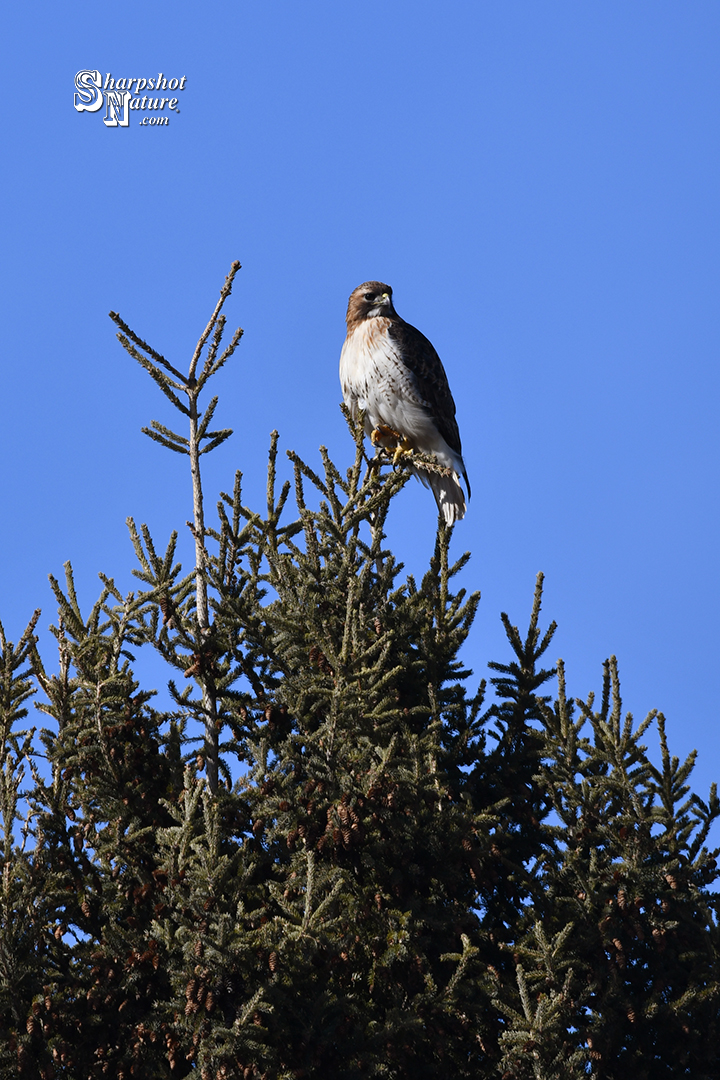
375	379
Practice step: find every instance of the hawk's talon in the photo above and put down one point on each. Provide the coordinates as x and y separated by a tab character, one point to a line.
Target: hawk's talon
404	449
382	431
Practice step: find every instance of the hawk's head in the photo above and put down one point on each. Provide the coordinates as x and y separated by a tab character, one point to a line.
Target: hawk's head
368	300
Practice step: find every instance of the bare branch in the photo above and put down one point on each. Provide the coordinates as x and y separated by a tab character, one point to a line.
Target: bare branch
224	293
144	345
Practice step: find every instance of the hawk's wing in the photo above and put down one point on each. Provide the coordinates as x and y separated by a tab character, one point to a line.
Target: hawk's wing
420	357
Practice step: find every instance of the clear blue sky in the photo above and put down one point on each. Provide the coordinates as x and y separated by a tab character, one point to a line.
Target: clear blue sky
538	181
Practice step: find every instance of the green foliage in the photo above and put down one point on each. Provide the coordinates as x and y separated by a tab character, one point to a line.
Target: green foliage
361	870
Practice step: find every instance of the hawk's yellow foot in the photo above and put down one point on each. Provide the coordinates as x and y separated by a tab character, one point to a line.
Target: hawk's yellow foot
383	432
404	448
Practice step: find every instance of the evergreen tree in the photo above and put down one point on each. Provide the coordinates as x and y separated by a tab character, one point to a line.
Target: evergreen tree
620	949
329	858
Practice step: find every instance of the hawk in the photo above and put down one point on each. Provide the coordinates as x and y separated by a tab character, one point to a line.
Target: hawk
391	372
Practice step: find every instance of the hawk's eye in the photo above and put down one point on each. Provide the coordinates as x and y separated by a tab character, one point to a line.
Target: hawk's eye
369	296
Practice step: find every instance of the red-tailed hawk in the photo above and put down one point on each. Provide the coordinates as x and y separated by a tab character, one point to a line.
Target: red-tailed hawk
390	370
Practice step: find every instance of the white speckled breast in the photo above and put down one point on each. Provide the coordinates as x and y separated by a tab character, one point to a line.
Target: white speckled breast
374	378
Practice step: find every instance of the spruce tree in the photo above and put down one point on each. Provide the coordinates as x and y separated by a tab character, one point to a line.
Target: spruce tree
329	857
620	948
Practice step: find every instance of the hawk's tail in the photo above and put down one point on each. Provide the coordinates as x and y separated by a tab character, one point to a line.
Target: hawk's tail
449	496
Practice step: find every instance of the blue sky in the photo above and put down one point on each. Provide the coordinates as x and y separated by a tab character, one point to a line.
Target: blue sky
537	180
